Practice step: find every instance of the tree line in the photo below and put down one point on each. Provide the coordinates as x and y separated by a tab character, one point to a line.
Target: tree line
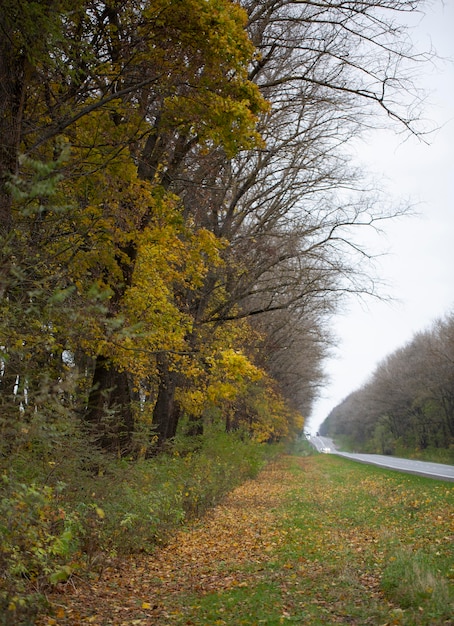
407	405
177	207
178	219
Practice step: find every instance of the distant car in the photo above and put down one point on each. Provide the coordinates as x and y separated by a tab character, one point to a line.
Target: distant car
326	450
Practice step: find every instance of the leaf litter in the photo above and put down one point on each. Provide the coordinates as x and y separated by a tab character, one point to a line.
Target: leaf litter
208	556
318	540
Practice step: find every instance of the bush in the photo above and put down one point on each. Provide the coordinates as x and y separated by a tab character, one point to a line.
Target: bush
144	501
37	548
116	506
222	462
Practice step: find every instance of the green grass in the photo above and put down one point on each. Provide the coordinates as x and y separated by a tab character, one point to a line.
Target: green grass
352	544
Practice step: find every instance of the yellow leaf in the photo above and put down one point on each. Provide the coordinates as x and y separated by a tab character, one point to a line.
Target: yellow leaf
100	513
146	605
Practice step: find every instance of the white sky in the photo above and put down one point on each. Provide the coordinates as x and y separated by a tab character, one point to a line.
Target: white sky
420	265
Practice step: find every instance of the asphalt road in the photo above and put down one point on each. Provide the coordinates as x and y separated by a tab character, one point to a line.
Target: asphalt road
423	468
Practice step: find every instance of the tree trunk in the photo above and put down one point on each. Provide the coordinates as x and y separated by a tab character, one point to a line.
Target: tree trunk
12	94
166	412
109	412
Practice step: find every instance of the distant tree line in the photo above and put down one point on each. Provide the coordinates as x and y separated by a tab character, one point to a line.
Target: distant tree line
408	403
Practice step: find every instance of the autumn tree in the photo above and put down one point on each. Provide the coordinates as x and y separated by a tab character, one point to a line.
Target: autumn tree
132	90
159	104
289	210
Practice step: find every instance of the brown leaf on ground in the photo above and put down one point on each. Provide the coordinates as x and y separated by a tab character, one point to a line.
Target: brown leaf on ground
205	557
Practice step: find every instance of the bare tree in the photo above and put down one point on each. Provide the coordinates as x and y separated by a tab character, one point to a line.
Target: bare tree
290	209
408	401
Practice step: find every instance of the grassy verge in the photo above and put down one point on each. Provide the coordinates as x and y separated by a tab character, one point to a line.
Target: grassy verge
317	540
350	544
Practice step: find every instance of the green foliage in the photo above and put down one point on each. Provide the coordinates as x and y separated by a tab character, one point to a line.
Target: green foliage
222	462
47	533
38	546
143	502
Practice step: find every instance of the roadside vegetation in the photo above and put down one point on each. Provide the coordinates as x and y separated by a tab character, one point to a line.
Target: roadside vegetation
430	454
53	535
312	540
406	408
178	218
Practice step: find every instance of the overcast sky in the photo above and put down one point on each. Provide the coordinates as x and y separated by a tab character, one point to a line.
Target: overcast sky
419	266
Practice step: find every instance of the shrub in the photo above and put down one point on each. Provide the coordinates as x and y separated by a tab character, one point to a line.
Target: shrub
222	462
116	506
144	501
37	547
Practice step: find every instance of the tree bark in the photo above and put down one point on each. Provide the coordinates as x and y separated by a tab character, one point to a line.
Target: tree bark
109	413
166	411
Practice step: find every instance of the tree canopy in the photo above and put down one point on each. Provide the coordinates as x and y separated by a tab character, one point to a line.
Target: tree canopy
174	189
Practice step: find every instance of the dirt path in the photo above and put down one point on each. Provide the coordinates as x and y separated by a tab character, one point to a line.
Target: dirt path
206	557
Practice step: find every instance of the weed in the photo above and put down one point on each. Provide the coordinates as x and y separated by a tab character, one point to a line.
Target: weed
413	582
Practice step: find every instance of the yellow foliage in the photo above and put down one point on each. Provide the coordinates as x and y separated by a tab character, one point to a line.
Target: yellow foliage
120	245
231	373
192	401
217	110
